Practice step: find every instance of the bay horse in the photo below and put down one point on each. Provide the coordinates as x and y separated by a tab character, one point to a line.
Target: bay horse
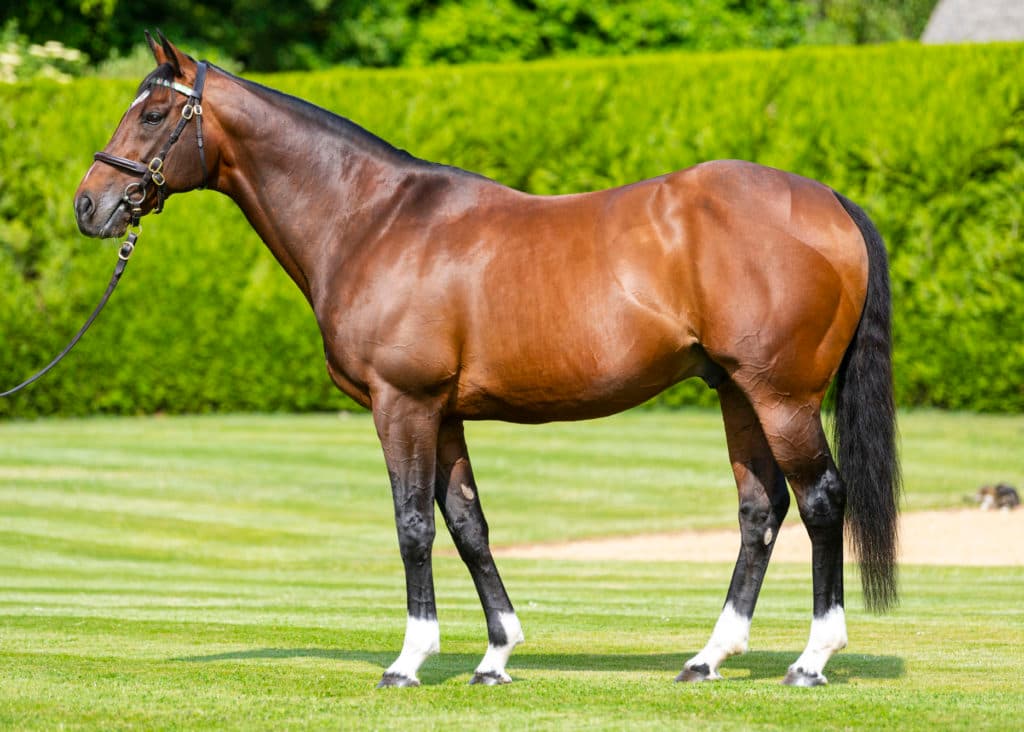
443	296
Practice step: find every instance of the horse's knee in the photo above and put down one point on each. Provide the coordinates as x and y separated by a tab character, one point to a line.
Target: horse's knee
760	520
822	502
415	537
469	532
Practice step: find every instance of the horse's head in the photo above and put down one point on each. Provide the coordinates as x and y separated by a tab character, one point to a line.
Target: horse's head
145	161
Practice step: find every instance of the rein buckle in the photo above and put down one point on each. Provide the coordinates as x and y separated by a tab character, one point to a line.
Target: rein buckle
128	246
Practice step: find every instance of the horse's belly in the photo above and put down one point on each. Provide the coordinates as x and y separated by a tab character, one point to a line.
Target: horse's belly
573	384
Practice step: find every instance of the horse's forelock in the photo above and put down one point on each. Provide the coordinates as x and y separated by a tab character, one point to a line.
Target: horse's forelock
163	72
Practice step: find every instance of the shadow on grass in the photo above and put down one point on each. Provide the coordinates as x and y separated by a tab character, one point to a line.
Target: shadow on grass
757	664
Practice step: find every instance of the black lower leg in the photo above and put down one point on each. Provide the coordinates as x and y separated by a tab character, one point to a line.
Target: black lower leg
415	524
822	503
760	516
763	496
457	497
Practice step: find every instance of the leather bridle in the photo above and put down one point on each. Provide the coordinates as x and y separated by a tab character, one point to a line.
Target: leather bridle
152	172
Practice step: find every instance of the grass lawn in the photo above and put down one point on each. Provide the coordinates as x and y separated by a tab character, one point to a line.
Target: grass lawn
243	572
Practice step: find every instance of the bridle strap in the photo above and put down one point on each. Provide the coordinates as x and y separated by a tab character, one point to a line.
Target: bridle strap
129	166
197	94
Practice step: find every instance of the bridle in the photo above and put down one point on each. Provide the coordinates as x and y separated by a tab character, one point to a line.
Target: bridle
135	194
152	172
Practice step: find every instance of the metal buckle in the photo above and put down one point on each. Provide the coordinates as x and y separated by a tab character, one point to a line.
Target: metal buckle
129	244
188	111
156	165
131	188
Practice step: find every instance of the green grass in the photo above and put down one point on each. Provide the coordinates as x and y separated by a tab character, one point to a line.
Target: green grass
242	572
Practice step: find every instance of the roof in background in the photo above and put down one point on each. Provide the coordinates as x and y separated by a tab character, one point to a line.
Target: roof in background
957	21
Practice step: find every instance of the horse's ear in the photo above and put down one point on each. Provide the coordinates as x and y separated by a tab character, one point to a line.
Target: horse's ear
171	55
155	49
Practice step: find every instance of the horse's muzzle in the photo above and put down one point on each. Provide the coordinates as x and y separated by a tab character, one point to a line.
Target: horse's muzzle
101	216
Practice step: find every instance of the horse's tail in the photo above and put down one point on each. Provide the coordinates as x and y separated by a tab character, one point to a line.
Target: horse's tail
865	428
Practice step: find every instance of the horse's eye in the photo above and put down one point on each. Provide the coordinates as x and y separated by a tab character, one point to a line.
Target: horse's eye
153	118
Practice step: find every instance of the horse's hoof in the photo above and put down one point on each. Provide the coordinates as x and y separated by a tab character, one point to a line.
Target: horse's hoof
490	678
799	677
389	680
700	672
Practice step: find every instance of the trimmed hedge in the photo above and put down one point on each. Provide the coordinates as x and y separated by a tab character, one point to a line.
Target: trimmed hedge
929	140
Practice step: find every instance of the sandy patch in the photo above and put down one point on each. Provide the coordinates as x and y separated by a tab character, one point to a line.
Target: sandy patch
968	537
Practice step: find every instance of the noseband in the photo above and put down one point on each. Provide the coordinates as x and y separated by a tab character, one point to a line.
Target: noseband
135	193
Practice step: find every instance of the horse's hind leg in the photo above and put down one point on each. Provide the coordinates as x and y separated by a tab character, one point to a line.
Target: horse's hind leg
457	496
797	440
763	502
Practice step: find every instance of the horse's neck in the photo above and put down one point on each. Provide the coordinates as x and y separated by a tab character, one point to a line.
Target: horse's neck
311	189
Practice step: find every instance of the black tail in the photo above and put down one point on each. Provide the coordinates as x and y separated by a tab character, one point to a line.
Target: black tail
865	428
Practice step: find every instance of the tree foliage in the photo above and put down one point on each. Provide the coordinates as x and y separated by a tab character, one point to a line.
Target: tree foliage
307	34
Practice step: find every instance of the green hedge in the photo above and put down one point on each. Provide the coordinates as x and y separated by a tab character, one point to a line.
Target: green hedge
930	140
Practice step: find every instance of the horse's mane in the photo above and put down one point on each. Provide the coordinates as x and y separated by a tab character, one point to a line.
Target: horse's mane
342	126
318	117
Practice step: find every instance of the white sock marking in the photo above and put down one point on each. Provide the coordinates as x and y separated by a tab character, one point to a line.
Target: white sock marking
497	656
828	635
730	636
422	640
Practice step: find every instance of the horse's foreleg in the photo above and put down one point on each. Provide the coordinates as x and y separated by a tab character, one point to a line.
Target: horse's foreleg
459	501
798	443
408	434
763	502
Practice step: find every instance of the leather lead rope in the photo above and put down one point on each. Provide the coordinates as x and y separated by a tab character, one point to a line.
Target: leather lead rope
122	261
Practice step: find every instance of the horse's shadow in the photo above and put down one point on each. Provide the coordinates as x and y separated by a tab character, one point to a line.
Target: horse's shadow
757	664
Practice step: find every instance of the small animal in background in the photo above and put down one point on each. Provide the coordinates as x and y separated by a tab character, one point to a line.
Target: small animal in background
1000	496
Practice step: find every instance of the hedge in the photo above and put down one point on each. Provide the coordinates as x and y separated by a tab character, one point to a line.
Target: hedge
929	140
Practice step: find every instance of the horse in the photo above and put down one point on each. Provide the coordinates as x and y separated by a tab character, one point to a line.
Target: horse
443	296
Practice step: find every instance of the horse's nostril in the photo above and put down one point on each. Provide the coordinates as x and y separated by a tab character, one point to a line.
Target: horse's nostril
84	205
